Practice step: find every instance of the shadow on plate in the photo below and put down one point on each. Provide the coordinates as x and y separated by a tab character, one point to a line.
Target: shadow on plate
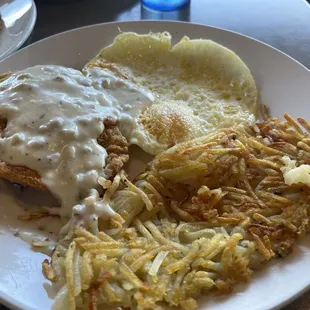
27	197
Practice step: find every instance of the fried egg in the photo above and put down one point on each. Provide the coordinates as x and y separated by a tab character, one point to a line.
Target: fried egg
198	86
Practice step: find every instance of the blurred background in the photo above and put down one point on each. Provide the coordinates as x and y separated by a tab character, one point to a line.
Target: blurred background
284	24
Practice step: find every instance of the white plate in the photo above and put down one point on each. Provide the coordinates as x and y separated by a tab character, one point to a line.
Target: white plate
284	85
19	17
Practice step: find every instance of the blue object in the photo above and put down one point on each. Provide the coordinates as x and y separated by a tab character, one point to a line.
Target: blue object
165	5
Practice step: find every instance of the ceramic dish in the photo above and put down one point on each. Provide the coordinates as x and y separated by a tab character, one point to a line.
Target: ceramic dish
283	84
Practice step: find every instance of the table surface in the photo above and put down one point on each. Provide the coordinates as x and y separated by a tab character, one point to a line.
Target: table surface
284	24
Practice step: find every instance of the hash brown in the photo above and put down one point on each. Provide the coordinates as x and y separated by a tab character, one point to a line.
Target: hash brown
203	216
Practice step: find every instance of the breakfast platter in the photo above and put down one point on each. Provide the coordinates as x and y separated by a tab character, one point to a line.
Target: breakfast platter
153	162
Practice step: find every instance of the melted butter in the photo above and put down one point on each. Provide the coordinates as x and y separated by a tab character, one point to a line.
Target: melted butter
55	116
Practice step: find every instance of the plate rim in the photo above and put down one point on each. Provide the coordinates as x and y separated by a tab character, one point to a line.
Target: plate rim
146	21
13	303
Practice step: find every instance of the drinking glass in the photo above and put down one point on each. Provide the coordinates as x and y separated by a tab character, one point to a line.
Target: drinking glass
165	5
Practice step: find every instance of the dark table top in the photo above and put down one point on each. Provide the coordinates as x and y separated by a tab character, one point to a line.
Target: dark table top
284	24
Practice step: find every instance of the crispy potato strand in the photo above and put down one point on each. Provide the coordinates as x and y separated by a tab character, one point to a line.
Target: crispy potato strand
209	212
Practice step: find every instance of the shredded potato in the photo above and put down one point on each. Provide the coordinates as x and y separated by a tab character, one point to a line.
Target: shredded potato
142	270
203	216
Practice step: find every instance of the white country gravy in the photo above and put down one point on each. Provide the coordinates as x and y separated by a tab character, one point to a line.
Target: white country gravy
55	116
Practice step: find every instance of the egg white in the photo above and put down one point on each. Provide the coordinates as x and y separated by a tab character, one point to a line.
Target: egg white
198	86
